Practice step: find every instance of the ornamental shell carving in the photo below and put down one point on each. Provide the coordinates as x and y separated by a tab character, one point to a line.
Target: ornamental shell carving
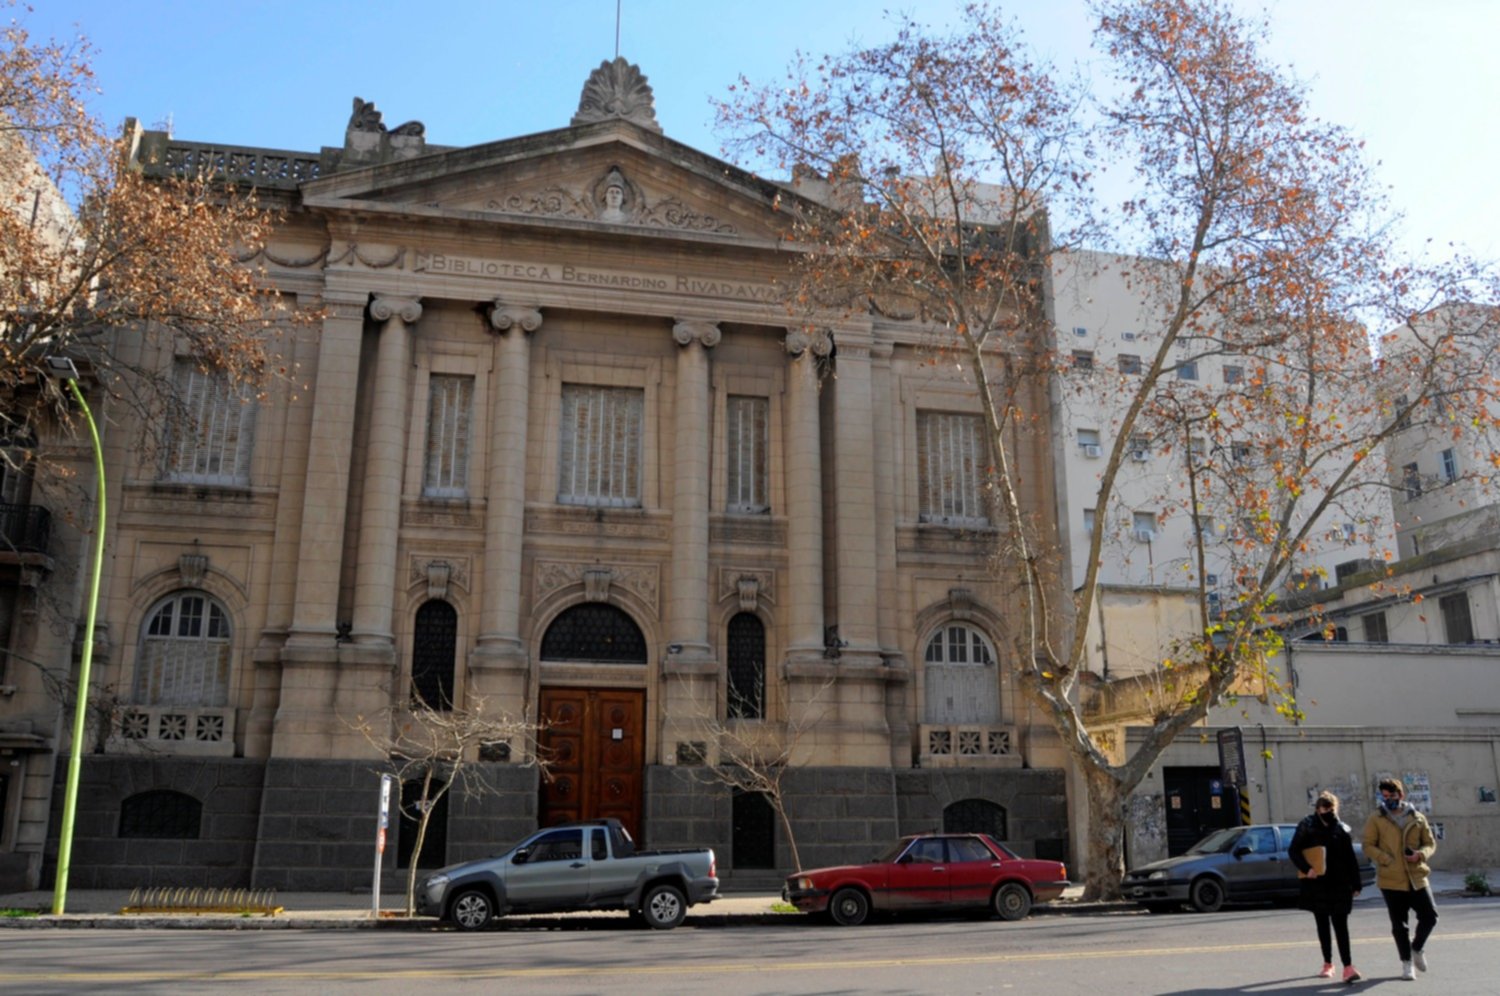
617	89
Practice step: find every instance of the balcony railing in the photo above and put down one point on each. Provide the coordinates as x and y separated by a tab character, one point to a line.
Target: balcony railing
24	528
199	730
968	744
276	168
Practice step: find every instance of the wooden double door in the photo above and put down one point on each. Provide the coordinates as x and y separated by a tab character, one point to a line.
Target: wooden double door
594	744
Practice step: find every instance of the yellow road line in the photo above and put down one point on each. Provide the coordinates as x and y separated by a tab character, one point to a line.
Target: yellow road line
723	968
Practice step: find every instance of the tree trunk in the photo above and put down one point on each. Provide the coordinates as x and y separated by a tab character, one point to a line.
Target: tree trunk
786	827
412	862
1106	844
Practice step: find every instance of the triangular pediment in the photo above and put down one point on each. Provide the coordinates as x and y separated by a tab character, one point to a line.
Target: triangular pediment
613	175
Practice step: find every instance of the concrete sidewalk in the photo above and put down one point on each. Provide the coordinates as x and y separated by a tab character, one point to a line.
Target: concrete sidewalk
100	908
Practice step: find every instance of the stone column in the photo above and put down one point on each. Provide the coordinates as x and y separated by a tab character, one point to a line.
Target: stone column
687	607
380	510
804	486
505	510
855	503
305	723
326	492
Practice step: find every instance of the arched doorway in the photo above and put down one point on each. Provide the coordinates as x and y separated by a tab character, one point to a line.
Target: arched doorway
593	738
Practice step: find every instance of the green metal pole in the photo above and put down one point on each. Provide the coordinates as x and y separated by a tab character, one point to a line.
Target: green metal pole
80	713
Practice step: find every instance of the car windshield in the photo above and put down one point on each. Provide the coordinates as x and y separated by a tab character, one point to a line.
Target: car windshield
1216	842
894	851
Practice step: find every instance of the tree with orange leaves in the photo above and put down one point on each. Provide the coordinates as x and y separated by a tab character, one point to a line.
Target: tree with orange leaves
953	182
95	259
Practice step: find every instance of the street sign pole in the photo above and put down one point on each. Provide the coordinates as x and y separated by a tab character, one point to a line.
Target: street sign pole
381	824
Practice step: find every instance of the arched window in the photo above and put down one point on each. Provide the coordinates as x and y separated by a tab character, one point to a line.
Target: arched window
161	814
747	667
595	632
184	653
975	816
434	646
962	682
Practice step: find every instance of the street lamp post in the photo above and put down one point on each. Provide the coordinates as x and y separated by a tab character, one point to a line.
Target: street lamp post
63	367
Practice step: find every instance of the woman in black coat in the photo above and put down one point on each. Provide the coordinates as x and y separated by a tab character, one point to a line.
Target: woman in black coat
1329	895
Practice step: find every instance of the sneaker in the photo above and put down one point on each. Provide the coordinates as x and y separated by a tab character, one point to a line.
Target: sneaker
1407	972
1418	960
1327	972
1351	974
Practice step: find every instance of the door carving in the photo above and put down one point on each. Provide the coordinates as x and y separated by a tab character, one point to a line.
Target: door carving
594	742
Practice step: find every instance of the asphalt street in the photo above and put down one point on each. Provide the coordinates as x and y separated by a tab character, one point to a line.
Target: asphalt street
1121	953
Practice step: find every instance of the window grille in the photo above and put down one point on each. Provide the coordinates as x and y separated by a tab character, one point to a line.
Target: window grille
594	632
211	431
975	816
747	431
600	462
434	645
950	462
450	402
184	653
747	667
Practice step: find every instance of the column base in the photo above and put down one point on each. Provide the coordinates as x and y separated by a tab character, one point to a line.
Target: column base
689	658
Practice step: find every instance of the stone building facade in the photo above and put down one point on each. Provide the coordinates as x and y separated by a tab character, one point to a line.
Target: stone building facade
559	446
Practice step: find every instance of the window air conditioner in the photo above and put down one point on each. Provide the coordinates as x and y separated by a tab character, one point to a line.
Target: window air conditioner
1139	456
1144	535
1128	336
1093	451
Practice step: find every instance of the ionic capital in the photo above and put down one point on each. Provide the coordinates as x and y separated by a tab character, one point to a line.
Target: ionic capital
690	330
504	317
384	307
800	340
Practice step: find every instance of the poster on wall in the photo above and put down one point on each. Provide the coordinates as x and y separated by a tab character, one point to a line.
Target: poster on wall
1418	789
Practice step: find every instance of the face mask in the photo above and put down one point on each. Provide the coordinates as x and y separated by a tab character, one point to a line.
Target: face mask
1392	804
1328	818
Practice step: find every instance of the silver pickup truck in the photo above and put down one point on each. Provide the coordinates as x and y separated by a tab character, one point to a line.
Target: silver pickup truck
576	866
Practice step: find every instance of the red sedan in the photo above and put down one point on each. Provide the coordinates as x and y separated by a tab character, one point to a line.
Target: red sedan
930	871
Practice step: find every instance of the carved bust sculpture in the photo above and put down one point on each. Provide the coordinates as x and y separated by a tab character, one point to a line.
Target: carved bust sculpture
614	197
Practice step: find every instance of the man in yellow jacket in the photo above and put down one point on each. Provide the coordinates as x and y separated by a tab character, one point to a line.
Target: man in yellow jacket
1399	841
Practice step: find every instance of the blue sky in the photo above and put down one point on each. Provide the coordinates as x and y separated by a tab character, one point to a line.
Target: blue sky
1417	81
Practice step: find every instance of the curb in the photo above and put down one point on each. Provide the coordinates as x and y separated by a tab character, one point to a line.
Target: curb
231	921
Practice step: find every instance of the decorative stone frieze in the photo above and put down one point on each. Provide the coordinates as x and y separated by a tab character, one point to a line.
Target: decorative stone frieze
641	580
504	317
617	89
421	567
758	585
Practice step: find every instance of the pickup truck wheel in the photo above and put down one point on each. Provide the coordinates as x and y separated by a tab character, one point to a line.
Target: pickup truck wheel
471	909
663	906
849	908
1207	895
1012	902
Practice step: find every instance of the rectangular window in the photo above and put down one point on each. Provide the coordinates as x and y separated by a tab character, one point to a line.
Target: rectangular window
449	403
1088	443
747	436
600	459
1204	528
1240	452
1187	370
1139	448
1234	374
210	431
1375	631
1450	466
950	462
1088	521
1083	360
1458	627
1130	364
1080	330
1143	526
